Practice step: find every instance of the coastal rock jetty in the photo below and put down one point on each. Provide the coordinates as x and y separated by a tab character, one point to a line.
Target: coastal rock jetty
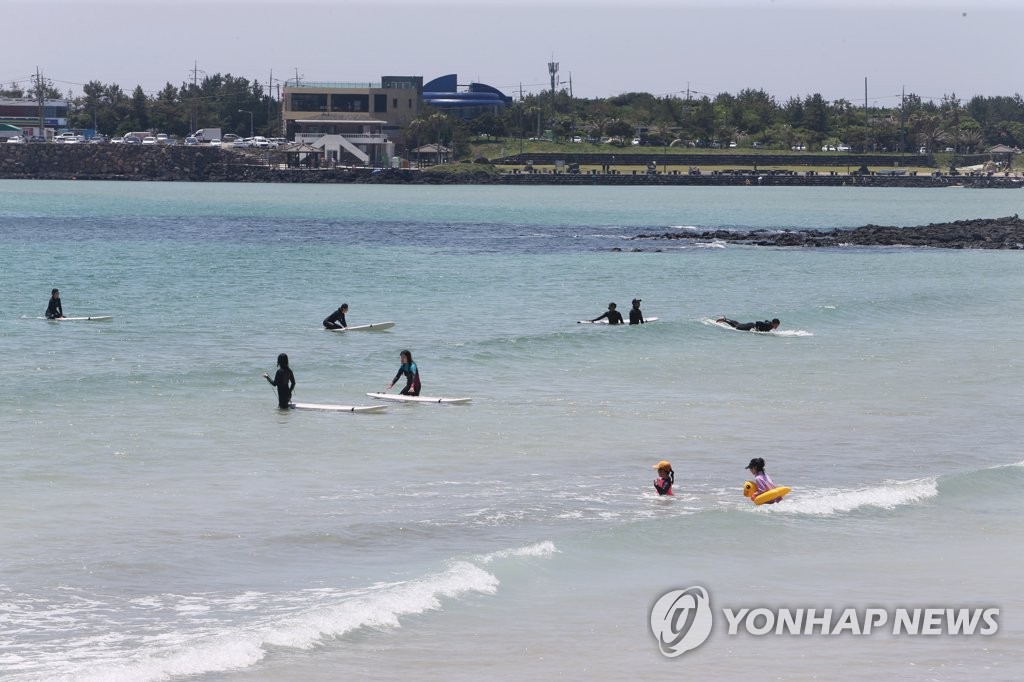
982	233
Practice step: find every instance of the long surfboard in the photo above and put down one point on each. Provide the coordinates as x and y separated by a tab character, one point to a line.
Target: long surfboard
417	398
375	327
323	407
624	324
93	318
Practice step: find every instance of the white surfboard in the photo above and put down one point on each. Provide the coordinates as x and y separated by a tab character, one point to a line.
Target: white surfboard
417	398
323	407
375	327
93	318
624	324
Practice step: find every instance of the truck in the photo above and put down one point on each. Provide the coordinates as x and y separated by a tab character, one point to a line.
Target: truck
207	134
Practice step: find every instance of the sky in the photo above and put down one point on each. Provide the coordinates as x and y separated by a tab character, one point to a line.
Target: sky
788	48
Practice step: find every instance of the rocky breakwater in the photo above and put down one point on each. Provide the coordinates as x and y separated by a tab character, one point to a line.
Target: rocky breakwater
113	162
982	233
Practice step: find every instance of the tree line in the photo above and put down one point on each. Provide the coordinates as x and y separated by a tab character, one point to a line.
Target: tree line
217	101
748	117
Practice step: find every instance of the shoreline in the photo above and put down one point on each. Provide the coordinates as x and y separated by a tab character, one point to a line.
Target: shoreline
189	164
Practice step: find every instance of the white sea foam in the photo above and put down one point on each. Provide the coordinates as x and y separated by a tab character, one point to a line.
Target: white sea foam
309	618
828	501
546	548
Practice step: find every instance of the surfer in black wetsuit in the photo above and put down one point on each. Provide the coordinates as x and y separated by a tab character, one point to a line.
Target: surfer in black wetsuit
613	315
336	320
760	326
284	380
635	316
53	309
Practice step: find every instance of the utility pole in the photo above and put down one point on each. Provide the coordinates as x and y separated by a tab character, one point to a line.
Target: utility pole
195	85
553	71
866	137
40	98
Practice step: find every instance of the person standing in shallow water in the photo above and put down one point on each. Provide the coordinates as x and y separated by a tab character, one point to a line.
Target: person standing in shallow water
53	308
666	478
635	316
411	372
284	380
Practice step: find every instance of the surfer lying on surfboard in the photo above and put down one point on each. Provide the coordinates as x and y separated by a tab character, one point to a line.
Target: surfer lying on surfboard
762	326
411	372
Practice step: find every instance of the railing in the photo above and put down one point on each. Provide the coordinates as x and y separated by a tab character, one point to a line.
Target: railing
354	138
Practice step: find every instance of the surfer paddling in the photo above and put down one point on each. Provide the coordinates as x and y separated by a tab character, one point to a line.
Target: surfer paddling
760	326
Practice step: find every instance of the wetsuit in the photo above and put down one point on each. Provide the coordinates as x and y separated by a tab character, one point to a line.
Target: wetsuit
53	309
636	317
336	320
762	326
285	382
614	317
412	376
664	485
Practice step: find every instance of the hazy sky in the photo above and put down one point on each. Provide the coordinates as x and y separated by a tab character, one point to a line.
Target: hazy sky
785	47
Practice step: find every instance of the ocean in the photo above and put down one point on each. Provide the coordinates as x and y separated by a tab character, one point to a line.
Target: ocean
163	520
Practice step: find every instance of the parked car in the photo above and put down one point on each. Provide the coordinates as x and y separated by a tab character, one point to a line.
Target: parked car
215	142
636	141
191	141
732	145
117	140
97	139
259	141
577	139
149	140
161	138
798	148
230	137
17	139
239	143
131	139
843	148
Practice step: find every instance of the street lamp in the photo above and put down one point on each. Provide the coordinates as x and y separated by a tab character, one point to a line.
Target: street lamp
243	111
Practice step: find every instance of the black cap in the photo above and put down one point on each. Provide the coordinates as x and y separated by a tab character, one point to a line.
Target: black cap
757	461
637	300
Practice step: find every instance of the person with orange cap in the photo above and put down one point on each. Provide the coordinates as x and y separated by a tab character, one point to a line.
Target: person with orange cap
666	477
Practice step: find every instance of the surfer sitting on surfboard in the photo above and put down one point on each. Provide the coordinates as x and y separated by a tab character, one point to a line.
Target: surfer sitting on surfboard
336	320
411	372
666	477
613	315
53	309
762	480
284	380
762	326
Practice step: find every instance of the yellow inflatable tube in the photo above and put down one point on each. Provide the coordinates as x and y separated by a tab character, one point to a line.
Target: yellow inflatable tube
750	490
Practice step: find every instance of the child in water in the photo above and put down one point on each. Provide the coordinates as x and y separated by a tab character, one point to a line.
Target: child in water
762	480
666	477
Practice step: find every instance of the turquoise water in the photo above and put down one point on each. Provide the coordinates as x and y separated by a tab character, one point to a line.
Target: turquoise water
164	521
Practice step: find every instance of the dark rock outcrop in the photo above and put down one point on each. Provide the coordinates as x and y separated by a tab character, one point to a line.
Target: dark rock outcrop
982	233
